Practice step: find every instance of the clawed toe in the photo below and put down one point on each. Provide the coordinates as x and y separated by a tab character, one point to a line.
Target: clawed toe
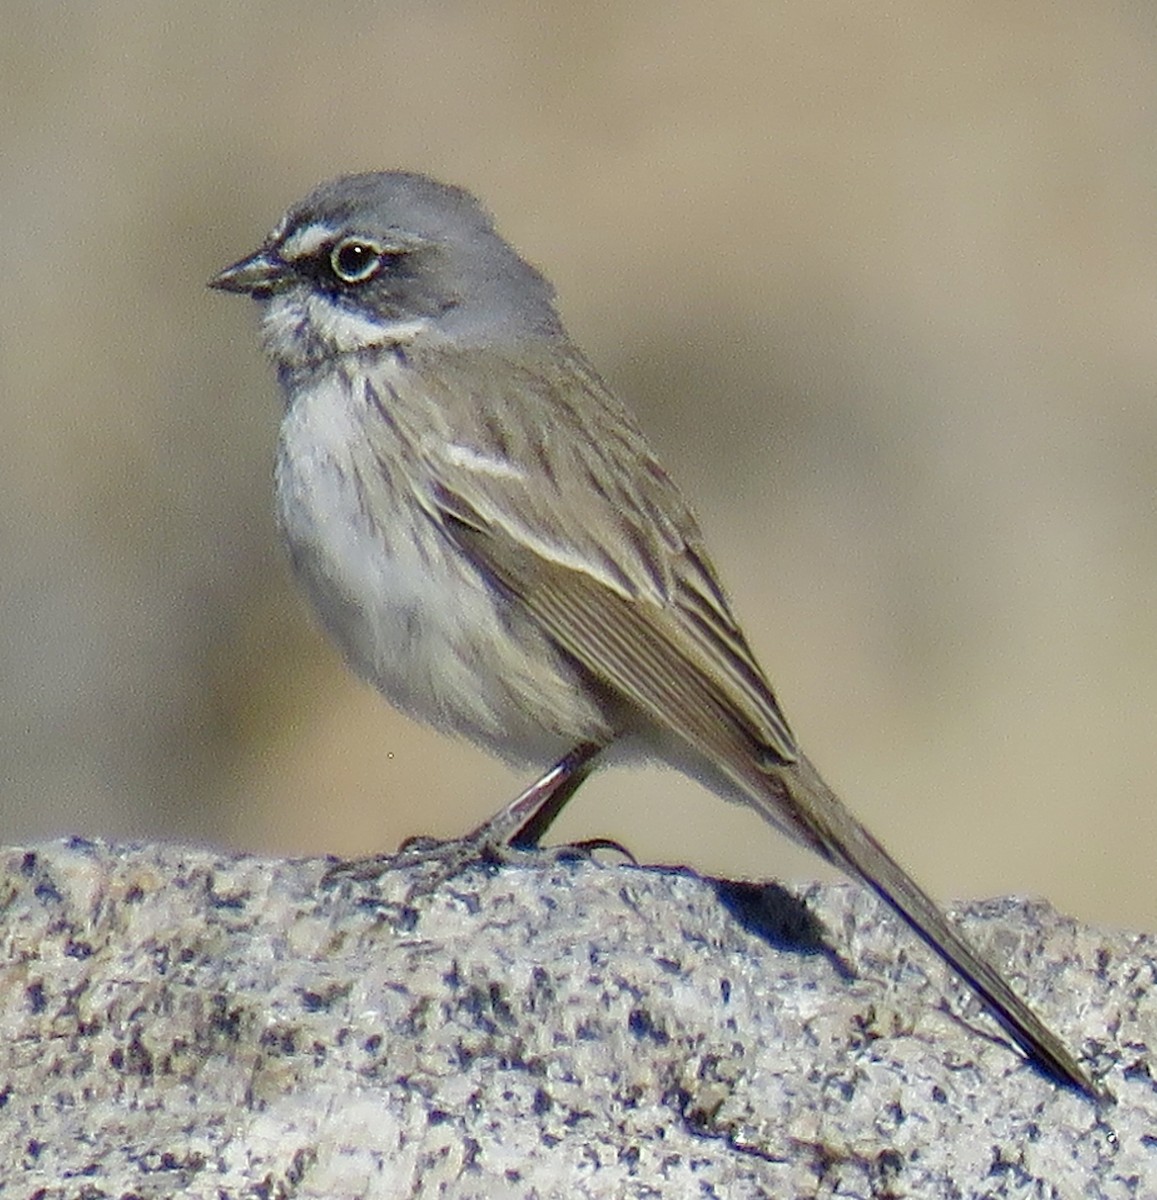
438	861
413	852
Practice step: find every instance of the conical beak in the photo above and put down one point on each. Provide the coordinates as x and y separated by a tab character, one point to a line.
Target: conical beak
257	275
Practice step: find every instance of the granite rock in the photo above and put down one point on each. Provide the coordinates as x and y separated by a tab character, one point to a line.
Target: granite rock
178	1022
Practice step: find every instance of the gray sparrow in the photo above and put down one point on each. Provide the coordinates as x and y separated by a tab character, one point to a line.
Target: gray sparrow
487	535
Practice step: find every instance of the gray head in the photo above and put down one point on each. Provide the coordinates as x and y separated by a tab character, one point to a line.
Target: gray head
382	259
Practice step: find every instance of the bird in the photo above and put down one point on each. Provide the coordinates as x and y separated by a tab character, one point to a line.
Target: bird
487	535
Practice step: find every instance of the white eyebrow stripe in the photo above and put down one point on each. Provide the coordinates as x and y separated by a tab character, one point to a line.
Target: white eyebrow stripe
306	241
483	464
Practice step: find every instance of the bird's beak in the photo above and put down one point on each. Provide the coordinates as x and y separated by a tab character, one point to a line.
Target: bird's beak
257	275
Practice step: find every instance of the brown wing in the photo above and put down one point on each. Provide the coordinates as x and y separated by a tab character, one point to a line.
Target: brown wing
680	677
549	485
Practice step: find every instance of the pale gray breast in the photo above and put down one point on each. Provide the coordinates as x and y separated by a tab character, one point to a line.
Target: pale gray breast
411	613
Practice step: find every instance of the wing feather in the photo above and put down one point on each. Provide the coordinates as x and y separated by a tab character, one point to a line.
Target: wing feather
588	532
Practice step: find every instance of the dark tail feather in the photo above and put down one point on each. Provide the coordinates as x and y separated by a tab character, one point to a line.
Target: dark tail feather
841	839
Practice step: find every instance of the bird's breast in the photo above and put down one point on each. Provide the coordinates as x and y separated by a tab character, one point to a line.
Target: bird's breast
410	611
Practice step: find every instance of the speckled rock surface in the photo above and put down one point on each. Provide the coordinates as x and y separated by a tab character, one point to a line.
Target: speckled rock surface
177	1023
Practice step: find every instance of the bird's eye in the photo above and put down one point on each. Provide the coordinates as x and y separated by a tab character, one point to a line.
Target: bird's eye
354	260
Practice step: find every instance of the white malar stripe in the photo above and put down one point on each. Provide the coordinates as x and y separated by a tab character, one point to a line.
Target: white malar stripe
345	329
483	464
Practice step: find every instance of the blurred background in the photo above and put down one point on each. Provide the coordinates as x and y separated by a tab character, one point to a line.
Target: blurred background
880	279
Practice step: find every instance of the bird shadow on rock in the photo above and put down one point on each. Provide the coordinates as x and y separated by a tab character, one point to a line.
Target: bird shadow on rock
770	912
779	917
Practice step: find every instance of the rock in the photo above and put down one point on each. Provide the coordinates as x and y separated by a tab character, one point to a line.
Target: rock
183	1023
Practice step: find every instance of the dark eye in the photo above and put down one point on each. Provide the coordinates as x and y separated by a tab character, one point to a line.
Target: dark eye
354	260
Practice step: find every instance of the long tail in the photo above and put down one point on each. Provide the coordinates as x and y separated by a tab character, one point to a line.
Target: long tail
823	822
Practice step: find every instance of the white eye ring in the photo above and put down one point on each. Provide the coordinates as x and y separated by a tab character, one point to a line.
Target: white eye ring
356	259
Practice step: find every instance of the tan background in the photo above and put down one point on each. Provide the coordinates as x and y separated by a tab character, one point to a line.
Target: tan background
881	280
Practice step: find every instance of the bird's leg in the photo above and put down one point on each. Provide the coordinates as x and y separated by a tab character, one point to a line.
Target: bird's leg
530	815
518	826
541	803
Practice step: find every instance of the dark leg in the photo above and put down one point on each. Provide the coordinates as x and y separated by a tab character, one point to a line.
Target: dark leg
518	826
536	809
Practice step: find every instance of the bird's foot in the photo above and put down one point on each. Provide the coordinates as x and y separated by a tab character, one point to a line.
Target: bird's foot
510	836
438	861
